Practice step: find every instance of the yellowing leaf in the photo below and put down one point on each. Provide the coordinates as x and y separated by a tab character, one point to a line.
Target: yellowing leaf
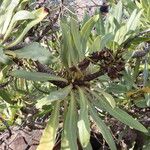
135	93
20	15
146	89
47	140
40	15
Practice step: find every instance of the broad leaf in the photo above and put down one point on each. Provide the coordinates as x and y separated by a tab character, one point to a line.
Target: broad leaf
60	94
83	122
48	138
34	51
69	137
36	76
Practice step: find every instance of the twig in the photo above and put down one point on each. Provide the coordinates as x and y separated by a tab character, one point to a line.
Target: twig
93	75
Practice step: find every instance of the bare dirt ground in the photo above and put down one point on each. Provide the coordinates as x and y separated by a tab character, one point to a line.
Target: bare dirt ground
87	5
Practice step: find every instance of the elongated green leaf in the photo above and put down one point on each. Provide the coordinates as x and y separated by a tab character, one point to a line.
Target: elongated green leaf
86	29
65	57
76	38
72	51
118	11
100	25
36	76
136	21
35	52
20	15
40	15
70	54
118	113
83	122
60	94
133	21
23	15
69	137
103	128
47	140
127	119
